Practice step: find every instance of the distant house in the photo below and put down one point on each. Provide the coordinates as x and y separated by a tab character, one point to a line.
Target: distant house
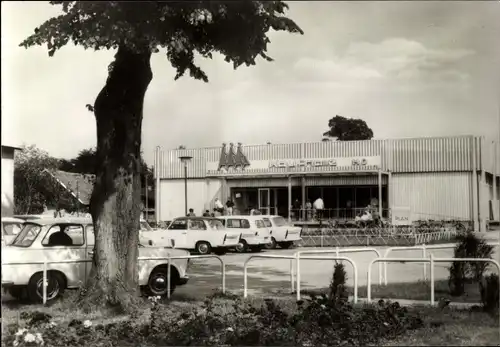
80	186
8	180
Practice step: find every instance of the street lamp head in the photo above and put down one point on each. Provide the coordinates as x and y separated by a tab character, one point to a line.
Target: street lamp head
185	159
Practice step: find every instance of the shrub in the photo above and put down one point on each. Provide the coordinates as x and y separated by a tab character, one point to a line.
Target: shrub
489	293
468	246
235	322
339	279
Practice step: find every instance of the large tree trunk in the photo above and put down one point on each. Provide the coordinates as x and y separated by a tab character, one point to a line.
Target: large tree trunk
115	201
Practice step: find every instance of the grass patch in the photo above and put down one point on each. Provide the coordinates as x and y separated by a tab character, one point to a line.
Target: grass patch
451	327
412	291
448	326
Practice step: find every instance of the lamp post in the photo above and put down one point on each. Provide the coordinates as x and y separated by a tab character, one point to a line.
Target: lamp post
185	159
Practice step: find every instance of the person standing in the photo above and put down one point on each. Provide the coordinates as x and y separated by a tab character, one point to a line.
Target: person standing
206	213
191	213
218	206
296	209
229	207
309	207
319	206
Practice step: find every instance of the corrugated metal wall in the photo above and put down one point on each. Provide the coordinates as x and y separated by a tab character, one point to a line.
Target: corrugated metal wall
401	155
438	195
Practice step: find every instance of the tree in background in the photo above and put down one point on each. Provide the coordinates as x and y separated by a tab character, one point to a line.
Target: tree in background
34	189
348	129
86	162
183	30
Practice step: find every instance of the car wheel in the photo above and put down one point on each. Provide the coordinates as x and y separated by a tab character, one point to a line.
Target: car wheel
158	283
17	292
241	247
203	248
286	245
55	287
272	244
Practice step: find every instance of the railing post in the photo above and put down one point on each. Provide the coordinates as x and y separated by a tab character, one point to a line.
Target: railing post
297	275
424	255
291	275
321	231
337	251
44	284
369	284
223	267
432	278
169	262
245	280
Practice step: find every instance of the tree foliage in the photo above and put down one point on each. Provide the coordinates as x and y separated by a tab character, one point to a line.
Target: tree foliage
236	29
34	188
86	163
348	129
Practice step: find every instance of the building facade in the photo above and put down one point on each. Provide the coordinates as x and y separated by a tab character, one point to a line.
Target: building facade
8	180
432	178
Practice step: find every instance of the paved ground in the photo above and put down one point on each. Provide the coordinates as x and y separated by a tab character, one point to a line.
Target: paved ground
273	275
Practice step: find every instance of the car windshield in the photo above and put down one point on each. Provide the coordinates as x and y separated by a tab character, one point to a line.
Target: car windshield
11	228
267	222
145	226
27	235
279	221
216	224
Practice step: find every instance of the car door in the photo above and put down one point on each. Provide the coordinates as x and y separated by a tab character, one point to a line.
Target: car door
197	231
74	271
178	232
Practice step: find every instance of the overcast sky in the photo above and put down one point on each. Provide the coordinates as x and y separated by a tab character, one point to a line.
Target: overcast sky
409	69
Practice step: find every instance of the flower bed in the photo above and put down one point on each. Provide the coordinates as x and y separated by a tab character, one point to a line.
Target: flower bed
220	321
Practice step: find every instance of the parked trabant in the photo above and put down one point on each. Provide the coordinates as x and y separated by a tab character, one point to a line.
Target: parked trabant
63	239
201	234
254	234
282	233
10	228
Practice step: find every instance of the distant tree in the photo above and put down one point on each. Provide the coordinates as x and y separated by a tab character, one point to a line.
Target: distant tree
237	30
34	189
348	129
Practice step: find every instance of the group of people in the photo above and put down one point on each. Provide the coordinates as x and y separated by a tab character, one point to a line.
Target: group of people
312	210
218	210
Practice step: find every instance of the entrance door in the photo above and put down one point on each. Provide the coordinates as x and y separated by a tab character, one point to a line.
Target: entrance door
264	201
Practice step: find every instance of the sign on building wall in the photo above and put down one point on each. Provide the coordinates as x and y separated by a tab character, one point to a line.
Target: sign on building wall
329	162
401	215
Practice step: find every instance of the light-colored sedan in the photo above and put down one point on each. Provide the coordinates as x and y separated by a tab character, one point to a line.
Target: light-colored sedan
254	233
62	239
201	234
10	228
283	233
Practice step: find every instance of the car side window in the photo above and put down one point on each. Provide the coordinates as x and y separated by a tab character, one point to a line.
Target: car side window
64	235
259	223
178	225
197	225
238	223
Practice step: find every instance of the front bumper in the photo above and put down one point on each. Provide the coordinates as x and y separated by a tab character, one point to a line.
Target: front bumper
7	284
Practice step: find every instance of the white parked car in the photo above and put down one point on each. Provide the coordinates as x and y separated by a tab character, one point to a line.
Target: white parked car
254	233
201	234
283	233
10	228
62	239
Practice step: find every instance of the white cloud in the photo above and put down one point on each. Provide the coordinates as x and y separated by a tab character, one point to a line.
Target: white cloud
392	58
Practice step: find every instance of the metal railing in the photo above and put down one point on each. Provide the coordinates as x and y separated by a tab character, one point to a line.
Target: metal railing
431	260
337	251
297	258
313	215
169	259
424	249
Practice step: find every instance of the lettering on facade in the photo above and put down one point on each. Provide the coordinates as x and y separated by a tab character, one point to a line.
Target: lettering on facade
314	163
